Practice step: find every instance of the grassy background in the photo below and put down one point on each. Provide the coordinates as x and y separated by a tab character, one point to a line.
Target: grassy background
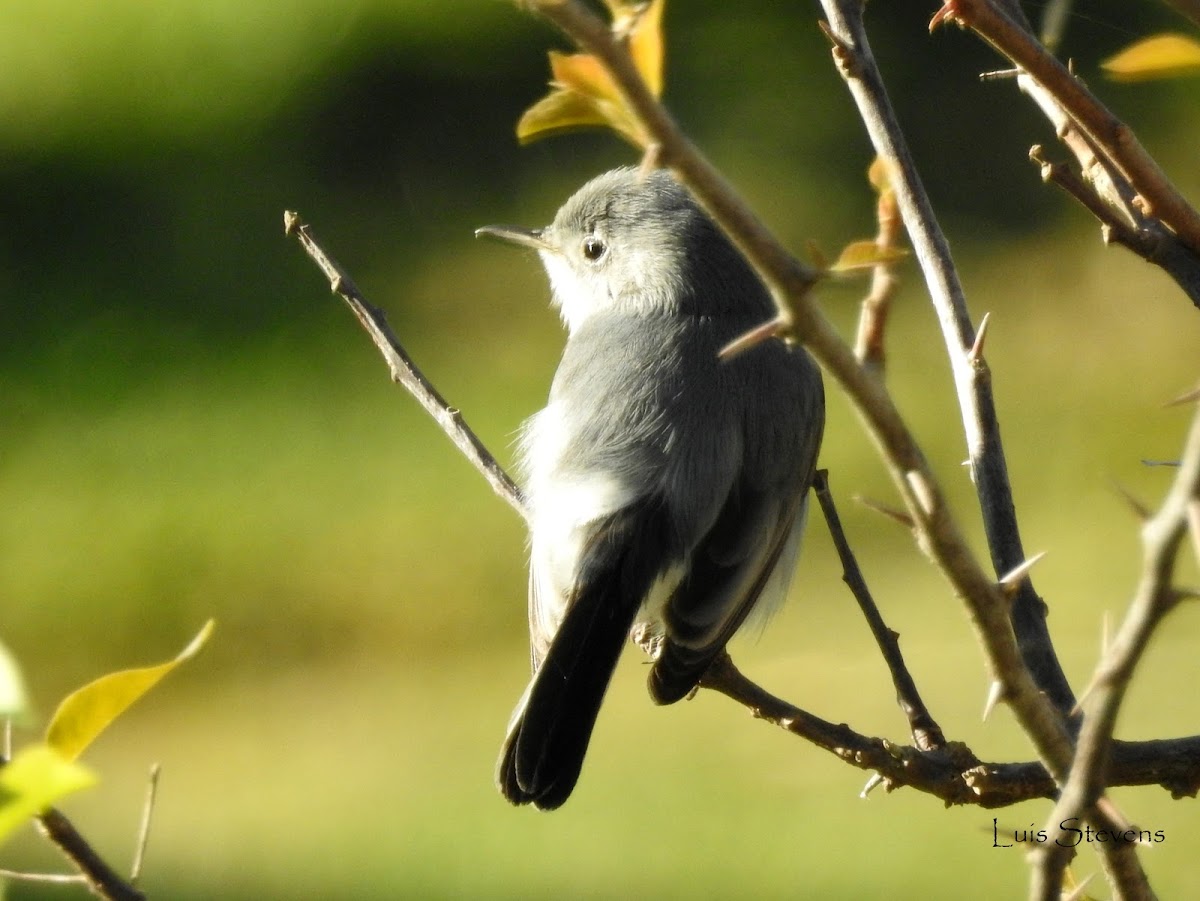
191	427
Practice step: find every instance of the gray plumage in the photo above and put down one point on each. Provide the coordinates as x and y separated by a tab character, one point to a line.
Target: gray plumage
666	488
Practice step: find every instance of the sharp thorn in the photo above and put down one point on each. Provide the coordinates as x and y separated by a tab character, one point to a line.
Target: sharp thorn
873	783
975	355
899	516
1011	580
750	339
1139	509
994	697
1078	891
1186	398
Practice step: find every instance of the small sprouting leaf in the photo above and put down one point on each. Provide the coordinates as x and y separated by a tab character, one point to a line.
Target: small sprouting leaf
35	778
879	174
14	702
88	711
863	255
1160	56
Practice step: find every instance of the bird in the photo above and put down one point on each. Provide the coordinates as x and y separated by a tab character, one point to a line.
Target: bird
666	488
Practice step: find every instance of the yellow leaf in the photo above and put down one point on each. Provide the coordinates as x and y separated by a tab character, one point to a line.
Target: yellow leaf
1160	56
863	255
34	779
584	74
646	46
559	110
88	711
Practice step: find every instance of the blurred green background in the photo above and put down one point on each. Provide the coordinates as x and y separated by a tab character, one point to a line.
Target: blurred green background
193	427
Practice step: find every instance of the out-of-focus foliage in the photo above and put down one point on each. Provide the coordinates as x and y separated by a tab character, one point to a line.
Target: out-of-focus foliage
191	427
35	778
1160	56
14	700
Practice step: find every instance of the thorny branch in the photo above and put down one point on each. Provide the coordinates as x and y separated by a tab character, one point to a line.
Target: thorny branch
1155	597
964	345
1149	215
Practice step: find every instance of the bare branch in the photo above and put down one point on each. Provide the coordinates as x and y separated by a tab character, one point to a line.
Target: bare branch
1110	198
404	371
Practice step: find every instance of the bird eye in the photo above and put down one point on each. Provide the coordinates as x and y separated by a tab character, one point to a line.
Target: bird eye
593	248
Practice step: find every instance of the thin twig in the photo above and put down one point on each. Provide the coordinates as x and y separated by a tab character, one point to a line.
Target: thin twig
1162	536
927	734
404	371
45	878
139	851
1189	9
1112	198
1148	238
1109	196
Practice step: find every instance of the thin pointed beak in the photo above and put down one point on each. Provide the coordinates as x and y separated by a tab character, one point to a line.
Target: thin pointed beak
514	234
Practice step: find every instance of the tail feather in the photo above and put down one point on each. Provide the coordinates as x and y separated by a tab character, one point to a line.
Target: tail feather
549	733
546	744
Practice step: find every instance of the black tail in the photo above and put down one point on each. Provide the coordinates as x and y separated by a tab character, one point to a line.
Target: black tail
550	730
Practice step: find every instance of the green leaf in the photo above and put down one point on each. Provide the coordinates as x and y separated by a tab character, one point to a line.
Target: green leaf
14	702
33	780
87	712
1160	56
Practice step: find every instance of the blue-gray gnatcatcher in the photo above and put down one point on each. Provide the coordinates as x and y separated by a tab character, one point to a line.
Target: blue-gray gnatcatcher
666	489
